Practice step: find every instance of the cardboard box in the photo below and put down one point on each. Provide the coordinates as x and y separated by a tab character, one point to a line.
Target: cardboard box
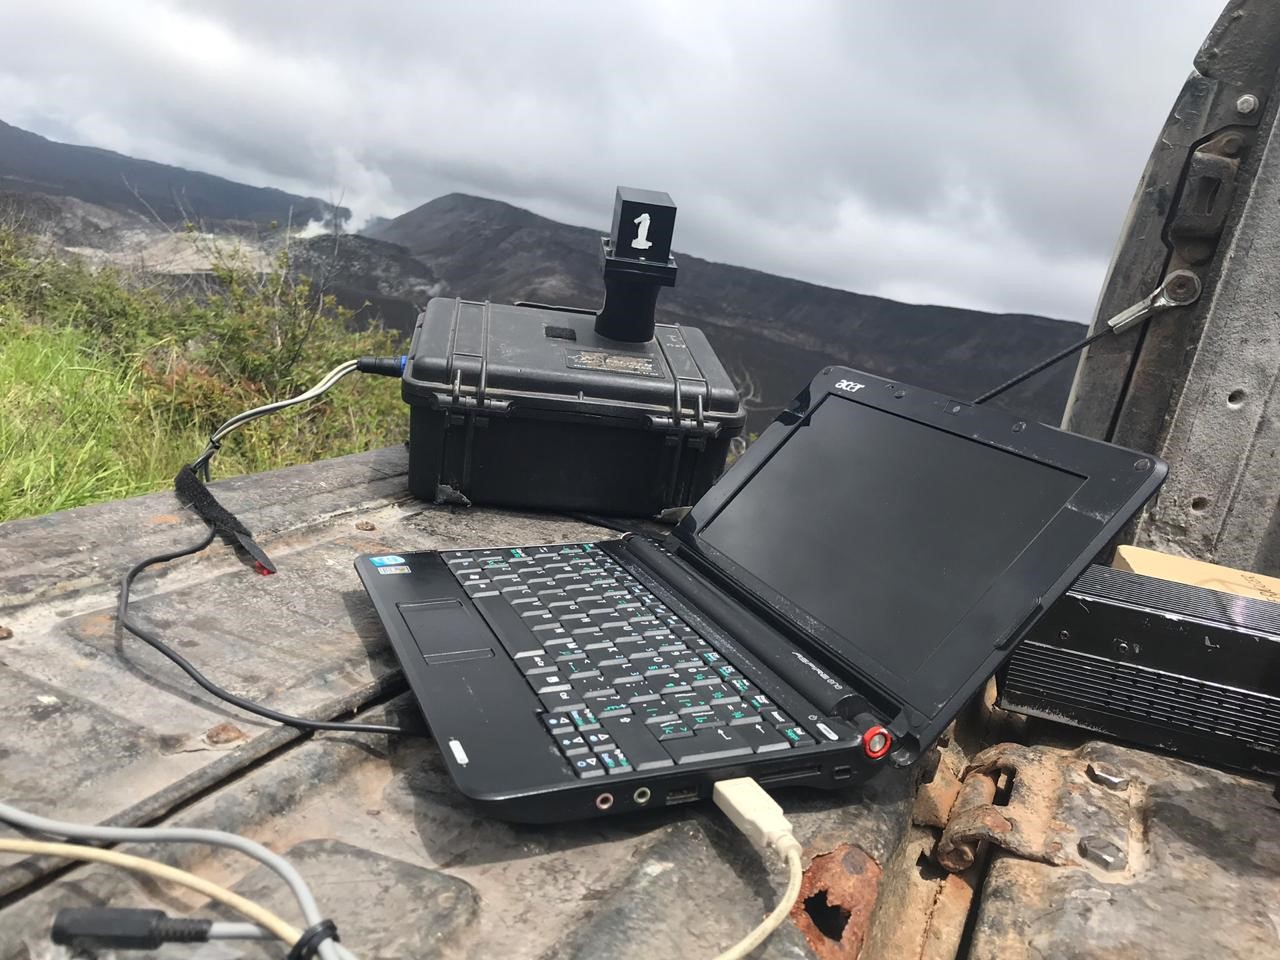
1196	573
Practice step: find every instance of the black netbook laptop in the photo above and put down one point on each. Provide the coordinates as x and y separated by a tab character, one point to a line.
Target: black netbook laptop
824	611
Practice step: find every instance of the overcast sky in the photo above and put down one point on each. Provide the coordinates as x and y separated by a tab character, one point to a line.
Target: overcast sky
979	153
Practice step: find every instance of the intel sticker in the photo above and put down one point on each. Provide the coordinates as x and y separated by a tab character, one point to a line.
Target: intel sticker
388	561
396	569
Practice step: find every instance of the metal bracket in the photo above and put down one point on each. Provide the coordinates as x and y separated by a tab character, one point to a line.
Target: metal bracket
1061	810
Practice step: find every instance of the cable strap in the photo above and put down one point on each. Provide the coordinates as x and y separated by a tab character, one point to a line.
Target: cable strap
192	491
309	943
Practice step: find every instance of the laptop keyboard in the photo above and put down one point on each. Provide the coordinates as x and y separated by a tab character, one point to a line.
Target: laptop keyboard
625	683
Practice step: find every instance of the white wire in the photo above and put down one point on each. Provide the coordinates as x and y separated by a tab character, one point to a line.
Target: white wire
218	838
790	849
240	419
224	930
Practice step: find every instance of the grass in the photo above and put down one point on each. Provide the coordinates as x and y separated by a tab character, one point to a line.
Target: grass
107	386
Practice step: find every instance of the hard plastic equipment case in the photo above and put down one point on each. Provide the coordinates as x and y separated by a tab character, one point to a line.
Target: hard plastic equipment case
528	406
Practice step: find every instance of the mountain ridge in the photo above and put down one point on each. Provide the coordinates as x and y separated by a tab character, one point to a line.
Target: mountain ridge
31	163
488	249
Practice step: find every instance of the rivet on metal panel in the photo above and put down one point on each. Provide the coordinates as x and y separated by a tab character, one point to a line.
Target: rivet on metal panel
1107	775
1102	852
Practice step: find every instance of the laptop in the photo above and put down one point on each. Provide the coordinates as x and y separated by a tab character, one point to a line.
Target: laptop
822	613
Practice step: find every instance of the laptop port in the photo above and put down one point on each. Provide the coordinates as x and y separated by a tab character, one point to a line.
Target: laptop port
842	773
642	795
788	776
604	801
686	795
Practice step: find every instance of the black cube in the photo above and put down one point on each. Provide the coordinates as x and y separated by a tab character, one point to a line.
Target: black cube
644	222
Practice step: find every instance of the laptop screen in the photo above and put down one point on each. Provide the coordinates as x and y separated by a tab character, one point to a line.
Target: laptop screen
886	530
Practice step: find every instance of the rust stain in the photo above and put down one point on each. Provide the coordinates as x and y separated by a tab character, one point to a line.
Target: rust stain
98	625
224	733
950	912
164	519
6	633
936	797
840	887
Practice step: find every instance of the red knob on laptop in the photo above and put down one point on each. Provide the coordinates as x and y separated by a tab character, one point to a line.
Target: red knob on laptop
876	742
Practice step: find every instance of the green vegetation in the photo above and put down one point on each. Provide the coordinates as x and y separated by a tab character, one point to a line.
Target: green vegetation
108	386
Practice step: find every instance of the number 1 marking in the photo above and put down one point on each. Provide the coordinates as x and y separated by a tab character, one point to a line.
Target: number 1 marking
642	241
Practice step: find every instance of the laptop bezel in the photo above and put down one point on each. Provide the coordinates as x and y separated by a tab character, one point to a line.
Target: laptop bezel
1116	482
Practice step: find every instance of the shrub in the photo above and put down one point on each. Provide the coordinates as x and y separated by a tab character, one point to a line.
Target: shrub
109	382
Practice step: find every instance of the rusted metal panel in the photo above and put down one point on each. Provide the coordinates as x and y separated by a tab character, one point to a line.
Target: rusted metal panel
1195	869
102	729
836	900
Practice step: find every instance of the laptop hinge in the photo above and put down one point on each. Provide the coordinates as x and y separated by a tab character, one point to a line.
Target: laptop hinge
817	684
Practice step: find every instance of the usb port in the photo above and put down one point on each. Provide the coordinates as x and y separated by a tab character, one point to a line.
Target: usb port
684	795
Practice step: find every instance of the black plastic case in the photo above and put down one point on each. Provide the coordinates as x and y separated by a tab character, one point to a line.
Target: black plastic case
528	406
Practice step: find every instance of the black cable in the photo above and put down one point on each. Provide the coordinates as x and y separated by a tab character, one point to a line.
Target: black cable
1044	365
142	633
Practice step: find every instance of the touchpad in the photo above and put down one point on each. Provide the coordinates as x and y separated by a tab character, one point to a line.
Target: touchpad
447	630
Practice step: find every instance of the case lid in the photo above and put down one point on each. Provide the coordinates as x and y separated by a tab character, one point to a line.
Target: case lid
515	359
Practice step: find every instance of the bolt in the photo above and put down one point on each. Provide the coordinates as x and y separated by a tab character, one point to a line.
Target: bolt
1102	852
1107	775
1064	635
1231	145
1247	104
1182	286
1019	426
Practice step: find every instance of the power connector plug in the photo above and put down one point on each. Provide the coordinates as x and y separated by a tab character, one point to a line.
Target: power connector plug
88	928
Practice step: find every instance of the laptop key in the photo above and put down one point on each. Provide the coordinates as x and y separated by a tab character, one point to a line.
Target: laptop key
558	723
584	720
589	686
572	745
776	717
587	767
673	730
615	761
796	736
536	663
599	740
659	712
702	719
735	713
637	743
548	683
713	744
562	701
762	738
512	632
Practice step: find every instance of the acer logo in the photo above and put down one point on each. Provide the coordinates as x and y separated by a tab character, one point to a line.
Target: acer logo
849	385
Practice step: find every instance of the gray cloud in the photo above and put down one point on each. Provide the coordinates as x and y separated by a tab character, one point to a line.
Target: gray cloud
978	154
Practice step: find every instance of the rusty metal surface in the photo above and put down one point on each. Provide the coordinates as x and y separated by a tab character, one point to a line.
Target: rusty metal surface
1198	873
836	900
99	728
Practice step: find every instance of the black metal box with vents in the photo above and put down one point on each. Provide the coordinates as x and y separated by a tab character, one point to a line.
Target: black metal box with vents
529	406
1163	664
